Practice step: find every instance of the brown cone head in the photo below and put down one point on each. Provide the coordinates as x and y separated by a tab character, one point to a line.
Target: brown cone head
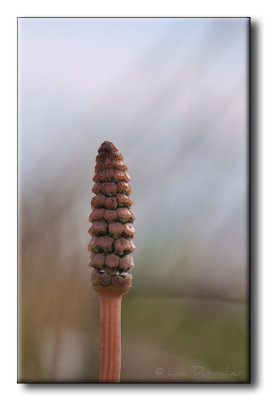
112	228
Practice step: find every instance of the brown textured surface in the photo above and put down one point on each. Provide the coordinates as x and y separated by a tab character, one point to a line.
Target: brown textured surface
112	228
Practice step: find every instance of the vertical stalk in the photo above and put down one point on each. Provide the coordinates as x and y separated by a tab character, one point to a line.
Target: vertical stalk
110	336
110	332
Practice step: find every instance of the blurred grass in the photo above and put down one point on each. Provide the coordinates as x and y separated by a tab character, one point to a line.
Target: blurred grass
59	328
183	333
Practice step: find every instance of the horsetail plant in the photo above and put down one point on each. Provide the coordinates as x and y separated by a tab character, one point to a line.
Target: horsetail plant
112	232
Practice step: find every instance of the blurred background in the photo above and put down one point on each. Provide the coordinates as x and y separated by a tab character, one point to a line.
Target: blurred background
171	94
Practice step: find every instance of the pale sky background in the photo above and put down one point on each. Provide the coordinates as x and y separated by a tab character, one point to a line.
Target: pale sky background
172	96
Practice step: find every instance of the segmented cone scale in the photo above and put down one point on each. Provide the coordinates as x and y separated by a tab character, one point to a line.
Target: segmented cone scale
112	228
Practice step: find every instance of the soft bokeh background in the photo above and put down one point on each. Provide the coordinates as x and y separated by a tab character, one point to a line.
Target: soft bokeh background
171	94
